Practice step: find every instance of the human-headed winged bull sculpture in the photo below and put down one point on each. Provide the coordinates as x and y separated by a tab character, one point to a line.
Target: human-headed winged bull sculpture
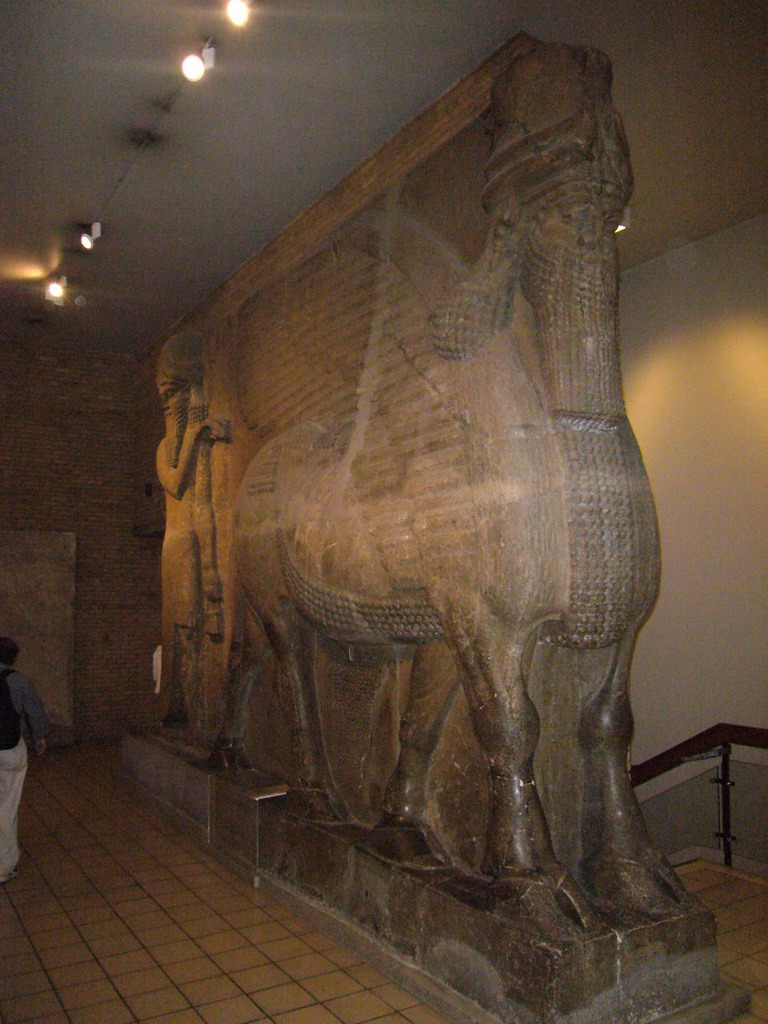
488	497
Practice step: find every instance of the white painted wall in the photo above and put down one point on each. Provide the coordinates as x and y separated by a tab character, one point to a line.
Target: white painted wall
694	327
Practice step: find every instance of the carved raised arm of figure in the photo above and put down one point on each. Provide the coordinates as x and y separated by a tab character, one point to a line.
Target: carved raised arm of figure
186	420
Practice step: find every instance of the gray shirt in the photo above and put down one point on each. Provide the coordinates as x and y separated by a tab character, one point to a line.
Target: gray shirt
26	702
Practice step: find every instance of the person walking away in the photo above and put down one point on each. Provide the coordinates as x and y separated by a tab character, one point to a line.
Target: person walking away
18	699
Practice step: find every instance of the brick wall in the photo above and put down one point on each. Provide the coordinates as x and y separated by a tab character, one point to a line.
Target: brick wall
149	497
67	462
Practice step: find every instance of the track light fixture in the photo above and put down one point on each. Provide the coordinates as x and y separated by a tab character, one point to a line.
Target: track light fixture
238	12
54	291
194	65
193	68
88	238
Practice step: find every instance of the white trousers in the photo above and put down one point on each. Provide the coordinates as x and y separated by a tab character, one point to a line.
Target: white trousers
13	768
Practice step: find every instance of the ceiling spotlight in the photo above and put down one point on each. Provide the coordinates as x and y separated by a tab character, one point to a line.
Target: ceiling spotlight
88	238
624	222
54	291
194	66
238	11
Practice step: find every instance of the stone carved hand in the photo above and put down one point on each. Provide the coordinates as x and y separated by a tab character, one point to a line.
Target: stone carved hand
217	430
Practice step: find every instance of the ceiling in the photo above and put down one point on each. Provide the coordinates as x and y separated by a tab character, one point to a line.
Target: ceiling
299	97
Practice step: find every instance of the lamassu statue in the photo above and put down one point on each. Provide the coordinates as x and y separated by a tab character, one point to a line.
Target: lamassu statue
489	497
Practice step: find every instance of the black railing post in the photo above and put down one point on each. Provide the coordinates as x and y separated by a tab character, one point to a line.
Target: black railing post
724	781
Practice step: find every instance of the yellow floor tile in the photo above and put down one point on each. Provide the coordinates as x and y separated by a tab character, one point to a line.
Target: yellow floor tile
151	937
307	966
12	984
367	976
358	1007
152	1004
282	998
209	990
137	982
193	910
341	956
76	974
111	945
332	985
37	923
255	979
747	939
208	925
423	1015
86	915
318	940
306	1015
239	959
395	996
239	1010
29	1007
55	938
144	920
126	963
284	949
188	1016
86	994
748	971
115	1012
60	956
21	964
107	928
246	918
191	970
221	942
177	899
175	951
268	931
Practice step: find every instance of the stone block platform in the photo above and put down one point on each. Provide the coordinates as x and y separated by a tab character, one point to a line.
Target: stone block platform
479	953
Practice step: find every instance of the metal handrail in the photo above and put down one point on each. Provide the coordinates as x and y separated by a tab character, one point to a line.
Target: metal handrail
717	741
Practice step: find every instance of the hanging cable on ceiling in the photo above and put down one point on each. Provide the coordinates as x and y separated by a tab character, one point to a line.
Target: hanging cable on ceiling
193	68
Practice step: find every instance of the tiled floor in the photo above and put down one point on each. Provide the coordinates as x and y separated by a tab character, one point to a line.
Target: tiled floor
740	904
117	916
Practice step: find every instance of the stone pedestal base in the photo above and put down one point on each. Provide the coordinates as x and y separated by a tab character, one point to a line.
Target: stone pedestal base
515	951
480	953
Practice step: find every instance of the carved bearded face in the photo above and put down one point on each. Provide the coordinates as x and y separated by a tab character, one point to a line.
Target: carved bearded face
175	398
179	368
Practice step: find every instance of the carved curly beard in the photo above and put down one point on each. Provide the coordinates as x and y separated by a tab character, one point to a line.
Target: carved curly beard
179	410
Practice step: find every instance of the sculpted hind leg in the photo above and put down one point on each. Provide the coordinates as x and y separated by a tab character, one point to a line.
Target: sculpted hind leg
289	639
619	861
432	687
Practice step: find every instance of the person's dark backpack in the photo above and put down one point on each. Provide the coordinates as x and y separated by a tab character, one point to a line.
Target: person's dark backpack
10	720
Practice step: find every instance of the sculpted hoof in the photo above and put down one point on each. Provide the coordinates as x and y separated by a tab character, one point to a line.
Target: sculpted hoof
645	885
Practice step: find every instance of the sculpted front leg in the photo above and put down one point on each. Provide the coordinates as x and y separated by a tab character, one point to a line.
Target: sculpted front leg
620	862
518	845
506	725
